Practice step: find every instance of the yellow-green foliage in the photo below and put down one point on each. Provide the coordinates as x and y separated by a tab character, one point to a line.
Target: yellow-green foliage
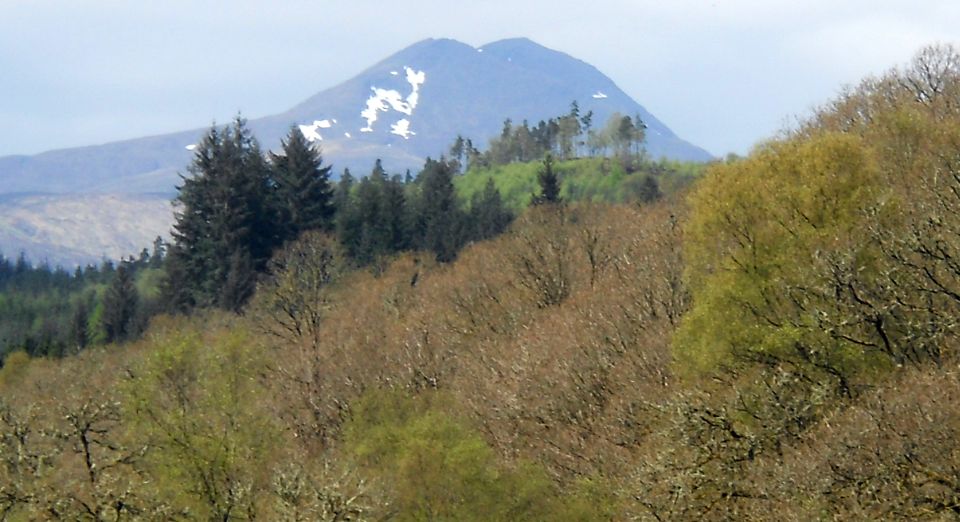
148	282
586	179
517	183
198	402
759	233
14	366
433	466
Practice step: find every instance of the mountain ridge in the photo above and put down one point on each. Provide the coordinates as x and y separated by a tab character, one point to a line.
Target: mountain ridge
467	90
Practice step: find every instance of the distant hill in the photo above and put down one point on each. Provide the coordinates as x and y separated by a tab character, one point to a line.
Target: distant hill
72	229
409	106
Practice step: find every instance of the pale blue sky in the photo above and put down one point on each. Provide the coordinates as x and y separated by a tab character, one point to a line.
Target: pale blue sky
722	73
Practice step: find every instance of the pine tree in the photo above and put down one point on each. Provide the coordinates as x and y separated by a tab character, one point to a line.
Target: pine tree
639	135
347	219
488	216
79	331
303	193
549	184
374	232
224	212
394	213
159	251
119	306
239	283
649	190
341	194
458	152
439	219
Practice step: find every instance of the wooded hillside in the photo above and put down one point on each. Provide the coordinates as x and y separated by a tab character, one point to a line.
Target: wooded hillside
775	341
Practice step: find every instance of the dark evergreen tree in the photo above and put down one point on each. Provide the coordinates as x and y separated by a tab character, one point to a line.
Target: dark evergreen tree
439	219
549	184
394	213
458	152
224	214
119	306
239	283
79	322
373	233
488	216
342	193
303	193
649	190
159	251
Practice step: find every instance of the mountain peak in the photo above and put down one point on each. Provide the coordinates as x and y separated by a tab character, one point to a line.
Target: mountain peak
518	42
432	47
408	106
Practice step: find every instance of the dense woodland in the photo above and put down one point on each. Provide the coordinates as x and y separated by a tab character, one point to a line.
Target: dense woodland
771	340
238	206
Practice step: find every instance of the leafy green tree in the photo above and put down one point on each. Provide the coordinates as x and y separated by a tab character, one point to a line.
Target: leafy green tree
434	467
767	243
195	402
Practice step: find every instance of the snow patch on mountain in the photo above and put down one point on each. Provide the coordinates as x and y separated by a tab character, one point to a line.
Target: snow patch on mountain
599	95
312	132
384	100
402	129
415	79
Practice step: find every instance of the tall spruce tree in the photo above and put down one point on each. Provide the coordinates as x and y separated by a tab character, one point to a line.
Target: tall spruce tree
373	233
649	189
79	331
119	307
549	184
395	213
226	227
488	216
303	193
439	219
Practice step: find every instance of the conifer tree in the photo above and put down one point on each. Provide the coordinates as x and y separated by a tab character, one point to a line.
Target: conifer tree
649	190
79	332
549	184
159	251
370	243
488	216
439	219
119	306
225	217
304	195
395	213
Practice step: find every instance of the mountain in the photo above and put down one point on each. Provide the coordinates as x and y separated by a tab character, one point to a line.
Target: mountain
81	204
403	109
